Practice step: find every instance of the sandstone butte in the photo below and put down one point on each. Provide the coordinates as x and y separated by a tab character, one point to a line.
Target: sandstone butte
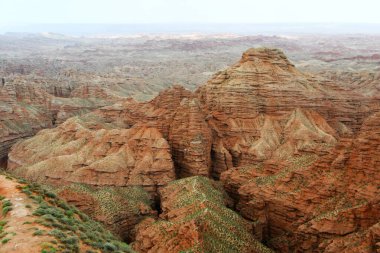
298	153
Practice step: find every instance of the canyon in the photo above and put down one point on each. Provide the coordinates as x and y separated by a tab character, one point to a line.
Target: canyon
262	157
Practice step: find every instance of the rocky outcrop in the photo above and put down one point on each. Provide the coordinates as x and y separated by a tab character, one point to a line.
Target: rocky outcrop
190	140
36	220
90	151
253	107
94	91
195	219
297	153
362	241
315	199
25	109
364	83
18	120
120	209
157	113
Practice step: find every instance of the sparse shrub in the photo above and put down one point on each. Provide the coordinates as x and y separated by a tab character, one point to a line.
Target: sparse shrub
50	195
6	210
69	225
48	248
22	181
27	191
69	213
3	234
6	203
38	199
58	234
5	240
49	217
63	205
38	232
109	247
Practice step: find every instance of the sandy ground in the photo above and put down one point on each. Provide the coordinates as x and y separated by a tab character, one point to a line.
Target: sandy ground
21	234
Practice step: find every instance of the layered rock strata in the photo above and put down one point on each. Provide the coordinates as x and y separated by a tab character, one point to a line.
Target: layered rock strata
195	219
94	152
298	154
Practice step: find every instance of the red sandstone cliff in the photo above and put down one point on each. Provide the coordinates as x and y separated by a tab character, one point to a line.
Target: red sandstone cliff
298	153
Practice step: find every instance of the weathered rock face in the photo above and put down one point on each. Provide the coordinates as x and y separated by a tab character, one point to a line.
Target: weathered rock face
311	203
284	140
120	209
364	83
91	152
26	109
157	113
298	154
263	107
30	226
190	140
94	91
64	108
362	241
18	120
195	219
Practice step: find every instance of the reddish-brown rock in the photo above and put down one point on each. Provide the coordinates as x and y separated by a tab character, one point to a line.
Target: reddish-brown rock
120	209
190	140
26	108
195	219
94	153
249	101
315	199
298	153
18	120
29	226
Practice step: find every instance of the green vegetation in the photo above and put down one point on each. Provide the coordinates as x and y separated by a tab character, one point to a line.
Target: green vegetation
221	229
5	240
2	232
48	248
70	227
296	163
6	206
39	232
114	201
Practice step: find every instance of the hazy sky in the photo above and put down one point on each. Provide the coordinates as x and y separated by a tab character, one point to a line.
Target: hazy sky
187	11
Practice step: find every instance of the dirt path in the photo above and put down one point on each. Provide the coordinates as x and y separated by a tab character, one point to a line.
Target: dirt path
20	232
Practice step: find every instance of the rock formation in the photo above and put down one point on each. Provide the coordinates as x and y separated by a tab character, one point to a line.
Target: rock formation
25	109
120	209
305	197
190	139
36	220
92	152
298	153
18	120
195	219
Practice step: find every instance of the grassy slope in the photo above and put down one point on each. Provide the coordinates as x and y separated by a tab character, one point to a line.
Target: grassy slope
222	230
61	227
